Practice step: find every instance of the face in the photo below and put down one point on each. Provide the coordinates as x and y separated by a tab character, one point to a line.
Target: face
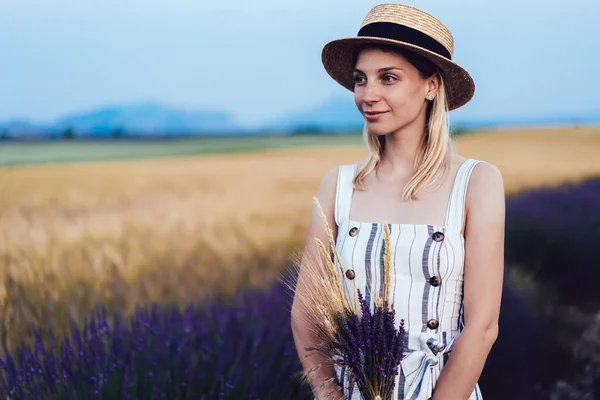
389	91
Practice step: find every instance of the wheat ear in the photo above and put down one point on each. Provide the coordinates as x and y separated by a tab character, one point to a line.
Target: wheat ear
329	233
332	272
387	260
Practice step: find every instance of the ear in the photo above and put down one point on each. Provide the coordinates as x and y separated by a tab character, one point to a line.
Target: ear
433	84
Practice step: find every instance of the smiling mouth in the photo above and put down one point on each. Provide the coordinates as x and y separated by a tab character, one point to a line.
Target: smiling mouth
373	115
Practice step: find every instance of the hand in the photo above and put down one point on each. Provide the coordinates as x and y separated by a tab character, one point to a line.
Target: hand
329	392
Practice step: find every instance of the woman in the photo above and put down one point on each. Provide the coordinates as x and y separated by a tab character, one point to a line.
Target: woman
445	212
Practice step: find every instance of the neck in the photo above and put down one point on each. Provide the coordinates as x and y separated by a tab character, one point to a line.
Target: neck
401	149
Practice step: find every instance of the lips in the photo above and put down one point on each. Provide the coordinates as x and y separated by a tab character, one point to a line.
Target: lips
371	115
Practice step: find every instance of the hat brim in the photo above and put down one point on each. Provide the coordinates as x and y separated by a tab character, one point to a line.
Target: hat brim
337	60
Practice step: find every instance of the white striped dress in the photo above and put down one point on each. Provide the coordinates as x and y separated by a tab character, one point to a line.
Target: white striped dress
427	281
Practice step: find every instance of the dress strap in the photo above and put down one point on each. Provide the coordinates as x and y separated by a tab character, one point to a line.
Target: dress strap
458	196
343	196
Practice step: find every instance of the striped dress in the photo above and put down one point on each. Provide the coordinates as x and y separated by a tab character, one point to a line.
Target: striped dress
426	277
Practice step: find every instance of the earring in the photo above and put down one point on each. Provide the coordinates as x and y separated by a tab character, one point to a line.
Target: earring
429	97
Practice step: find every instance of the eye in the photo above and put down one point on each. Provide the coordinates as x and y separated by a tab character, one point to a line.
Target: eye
389	78
358	79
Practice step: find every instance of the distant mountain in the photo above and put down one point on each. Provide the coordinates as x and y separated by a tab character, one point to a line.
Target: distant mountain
339	113
144	119
155	120
581	118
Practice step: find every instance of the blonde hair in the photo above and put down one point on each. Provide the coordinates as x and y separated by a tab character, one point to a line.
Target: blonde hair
435	151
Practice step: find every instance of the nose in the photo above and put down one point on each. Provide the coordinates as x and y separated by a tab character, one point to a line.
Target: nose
370	92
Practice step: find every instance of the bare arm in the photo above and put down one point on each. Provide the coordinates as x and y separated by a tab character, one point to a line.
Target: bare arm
303	336
484	270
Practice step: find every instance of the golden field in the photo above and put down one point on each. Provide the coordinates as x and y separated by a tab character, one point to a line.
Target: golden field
123	233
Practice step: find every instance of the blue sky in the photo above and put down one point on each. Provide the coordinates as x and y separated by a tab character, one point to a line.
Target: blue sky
261	59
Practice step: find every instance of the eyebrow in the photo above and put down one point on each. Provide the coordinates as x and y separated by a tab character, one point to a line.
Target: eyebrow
384	69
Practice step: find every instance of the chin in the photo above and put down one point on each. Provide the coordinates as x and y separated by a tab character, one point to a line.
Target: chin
378	129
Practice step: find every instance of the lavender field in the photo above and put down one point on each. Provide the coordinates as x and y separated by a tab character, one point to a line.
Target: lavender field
242	348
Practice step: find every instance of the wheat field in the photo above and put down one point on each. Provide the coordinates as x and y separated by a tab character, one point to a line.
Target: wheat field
175	229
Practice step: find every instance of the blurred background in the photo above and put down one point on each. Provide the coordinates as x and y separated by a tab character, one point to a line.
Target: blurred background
158	162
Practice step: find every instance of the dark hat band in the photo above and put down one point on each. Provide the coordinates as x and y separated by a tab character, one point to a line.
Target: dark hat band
403	33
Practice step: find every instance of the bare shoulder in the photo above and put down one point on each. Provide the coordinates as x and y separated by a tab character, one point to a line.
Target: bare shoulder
326	193
326	197
486	192
458	159
328	185
456	162
486	176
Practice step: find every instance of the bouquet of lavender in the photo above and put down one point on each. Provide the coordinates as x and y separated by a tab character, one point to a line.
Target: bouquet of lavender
366	344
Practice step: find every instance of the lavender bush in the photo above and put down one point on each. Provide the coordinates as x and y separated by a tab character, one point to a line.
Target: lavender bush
550	233
550	293
240	351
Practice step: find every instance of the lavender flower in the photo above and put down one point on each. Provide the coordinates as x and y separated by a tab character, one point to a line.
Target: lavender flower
227	350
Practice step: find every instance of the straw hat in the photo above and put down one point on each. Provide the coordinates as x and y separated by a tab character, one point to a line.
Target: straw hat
409	28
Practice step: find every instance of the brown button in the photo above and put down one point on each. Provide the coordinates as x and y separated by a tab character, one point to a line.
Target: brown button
353	232
438	236
350	274
435	281
433	324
